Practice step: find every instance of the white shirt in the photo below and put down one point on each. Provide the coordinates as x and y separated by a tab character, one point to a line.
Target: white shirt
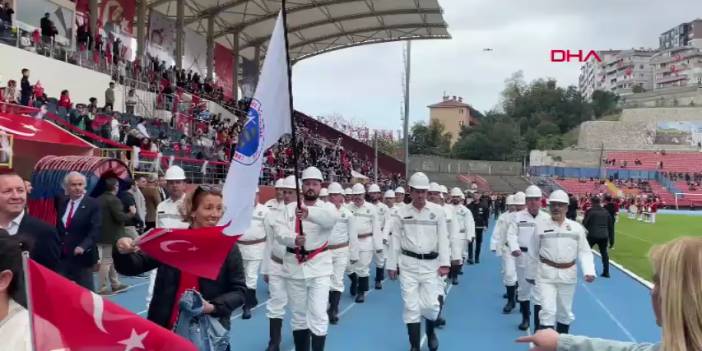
13	227
76	203
559	243
168	214
14	329
344	231
367	221
142	129
256	231
521	230
273	247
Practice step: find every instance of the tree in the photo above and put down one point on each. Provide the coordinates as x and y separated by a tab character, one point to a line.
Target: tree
389	147
604	102
430	140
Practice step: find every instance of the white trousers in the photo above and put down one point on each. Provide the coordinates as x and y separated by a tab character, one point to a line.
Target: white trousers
420	293
278	297
362	266
524	289
308	303
379	258
340	260
556	303
653	217
509	269
251	272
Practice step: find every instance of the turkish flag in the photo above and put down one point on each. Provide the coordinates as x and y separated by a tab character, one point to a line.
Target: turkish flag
66	316
199	251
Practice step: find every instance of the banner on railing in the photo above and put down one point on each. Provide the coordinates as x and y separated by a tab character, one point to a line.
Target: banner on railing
162	40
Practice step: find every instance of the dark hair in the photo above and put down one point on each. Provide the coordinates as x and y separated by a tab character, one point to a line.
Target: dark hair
24	70
111	184
595	200
11	258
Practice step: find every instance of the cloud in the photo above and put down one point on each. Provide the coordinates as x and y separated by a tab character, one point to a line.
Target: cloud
365	83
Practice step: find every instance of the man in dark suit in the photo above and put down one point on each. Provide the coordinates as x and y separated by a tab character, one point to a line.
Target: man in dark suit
599	225
79	224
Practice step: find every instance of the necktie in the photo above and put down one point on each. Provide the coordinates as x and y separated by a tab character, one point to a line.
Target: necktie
70	216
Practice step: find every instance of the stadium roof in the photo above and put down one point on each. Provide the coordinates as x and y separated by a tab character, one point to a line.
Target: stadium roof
315	26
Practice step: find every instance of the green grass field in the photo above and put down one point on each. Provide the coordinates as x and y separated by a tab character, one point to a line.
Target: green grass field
634	239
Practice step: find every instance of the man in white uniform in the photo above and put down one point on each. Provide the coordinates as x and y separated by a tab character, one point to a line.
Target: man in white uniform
498	245
277	201
382	211
348	196
466	229
399	196
420	248
324	195
389	198
168	212
553	251
519	236
307	264
252	245
369	241
272	264
343	244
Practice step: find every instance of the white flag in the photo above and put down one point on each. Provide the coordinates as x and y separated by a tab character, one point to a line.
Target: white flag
267	120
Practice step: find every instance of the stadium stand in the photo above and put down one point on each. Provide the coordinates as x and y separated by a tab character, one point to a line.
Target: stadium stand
648	160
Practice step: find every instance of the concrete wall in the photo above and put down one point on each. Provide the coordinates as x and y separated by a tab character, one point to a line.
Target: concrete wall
662	114
565	158
449	117
435	164
667	97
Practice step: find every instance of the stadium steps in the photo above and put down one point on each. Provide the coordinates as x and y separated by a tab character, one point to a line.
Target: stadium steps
672	161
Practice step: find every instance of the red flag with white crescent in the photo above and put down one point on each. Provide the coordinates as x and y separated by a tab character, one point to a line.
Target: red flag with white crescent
199	251
66	316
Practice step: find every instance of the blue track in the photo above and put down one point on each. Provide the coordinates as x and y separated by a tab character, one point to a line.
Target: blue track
616	308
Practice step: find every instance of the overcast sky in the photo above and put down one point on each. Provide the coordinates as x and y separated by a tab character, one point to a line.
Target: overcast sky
365	83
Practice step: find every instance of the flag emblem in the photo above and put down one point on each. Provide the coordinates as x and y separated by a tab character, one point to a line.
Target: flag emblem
251	142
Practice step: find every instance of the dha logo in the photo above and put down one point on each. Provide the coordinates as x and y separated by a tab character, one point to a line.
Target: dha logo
568	56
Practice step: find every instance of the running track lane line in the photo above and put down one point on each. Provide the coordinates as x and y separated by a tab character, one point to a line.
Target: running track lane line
609	313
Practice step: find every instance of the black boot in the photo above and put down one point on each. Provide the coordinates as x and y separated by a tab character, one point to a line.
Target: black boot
537	322
432	340
354	284
440	321
460	269
334	297
525	309
415	337
302	339
453	274
275	326
362	289
249	303
318	342
511	297
379	277
562	328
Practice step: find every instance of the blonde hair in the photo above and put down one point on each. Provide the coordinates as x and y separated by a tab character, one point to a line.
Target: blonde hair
192	200
677	266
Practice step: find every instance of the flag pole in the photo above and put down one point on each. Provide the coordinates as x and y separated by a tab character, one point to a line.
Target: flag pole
28	293
293	129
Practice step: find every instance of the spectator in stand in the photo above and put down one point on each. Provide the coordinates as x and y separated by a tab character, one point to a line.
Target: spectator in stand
10	95
113	220
65	100
40	97
26	88
114	127
132	225
151	197
6	13
48	29
131	102
110	96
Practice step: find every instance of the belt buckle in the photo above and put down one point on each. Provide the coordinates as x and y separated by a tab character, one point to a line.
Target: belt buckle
421	256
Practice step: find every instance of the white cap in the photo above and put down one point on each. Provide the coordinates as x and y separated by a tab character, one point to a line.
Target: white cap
348	192
374	188
456	192
399	190
358	189
519	199
389	193
324	192
279	183
312	173
510	200
559	196
434	187
419	181
444	189
288	182
335	188
533	191
175	173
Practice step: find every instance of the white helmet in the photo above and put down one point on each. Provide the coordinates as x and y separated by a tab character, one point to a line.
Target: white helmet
456	192
348	192
324	192
399	190
279	183
358	189
434	187
258	188
335	188
519	199
533	191
419	181
288	182
389	193
312	173
559	196
175	173
444	189
510	200
374	188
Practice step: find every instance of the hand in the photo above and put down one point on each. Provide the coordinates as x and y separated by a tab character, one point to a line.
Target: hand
300	240
265	278
589	278
531	281
456	262
126	246
543	340
443	271
208	308
392	274
516	253
302	212
132	210
78	251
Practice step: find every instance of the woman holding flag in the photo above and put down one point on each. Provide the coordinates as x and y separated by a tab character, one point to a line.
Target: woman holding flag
203	208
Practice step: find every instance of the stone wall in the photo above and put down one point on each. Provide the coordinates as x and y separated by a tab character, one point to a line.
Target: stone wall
435	164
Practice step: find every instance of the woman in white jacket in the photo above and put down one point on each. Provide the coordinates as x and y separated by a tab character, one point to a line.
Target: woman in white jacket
14	318
676	299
